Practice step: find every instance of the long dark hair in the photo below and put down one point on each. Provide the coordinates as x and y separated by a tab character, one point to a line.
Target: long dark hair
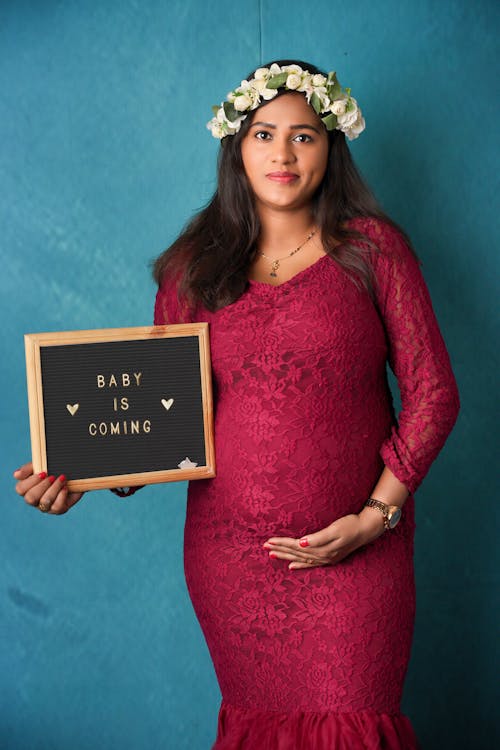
213	253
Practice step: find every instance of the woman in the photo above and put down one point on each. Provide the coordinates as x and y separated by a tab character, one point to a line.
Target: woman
298	554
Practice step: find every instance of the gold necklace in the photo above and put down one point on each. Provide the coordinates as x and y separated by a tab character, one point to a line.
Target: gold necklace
275	264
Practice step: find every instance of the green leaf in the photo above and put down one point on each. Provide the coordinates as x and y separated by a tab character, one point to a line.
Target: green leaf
215	109
231	113
316	103
276	81
330	121
335	91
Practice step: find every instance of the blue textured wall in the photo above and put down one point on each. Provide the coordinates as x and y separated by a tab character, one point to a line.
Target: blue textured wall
104	155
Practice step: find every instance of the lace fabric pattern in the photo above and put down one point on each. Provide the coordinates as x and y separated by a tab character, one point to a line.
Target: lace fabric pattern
304	423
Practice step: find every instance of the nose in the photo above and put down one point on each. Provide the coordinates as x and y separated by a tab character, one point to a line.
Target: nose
282	151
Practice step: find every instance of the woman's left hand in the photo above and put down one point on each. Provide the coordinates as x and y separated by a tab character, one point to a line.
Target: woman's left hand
331	544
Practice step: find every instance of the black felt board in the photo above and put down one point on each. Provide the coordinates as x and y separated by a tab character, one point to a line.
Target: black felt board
170	369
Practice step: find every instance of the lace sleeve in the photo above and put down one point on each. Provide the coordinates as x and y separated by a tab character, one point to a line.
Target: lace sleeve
169	309
417	356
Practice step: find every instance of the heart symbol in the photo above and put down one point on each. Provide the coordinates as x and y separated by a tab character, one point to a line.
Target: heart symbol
167	404
72	408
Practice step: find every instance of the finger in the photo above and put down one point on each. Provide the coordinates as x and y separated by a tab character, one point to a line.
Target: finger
24	485
278	547
33	489
296	557
64	501
73	498
24	471
319	538
285	553
60	503
50	495
285	541
310	563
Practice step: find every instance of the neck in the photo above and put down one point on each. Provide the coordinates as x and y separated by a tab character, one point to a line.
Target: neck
283	229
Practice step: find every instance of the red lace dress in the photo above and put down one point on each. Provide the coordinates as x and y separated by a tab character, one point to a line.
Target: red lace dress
304	423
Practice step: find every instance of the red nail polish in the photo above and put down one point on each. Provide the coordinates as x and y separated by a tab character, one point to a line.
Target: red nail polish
273	555
62	478
42	475
304	543
52	479
266	545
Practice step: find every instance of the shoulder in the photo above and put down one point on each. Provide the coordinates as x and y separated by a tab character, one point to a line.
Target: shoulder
387	243
379	231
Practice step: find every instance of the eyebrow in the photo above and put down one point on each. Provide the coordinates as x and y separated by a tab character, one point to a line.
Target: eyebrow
303	126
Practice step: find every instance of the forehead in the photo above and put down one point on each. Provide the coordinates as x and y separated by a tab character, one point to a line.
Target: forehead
286	110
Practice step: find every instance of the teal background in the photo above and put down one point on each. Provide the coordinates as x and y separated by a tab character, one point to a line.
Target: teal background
104	156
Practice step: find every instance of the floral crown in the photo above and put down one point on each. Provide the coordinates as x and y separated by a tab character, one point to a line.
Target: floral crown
337	108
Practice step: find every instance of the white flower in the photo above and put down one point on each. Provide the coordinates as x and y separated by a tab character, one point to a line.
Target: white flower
296	69
306	83
261	73
242	102
275	69
338	107
220	126
320	91
293	81
259	84
356	128
268	93
231	96
318	80
215	128
350	116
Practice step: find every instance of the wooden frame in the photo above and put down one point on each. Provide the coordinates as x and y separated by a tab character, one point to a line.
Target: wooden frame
38	345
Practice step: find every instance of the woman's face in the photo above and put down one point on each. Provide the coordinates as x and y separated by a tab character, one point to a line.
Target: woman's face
285	153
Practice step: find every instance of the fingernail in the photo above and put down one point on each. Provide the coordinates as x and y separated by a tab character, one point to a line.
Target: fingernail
52	479
42	475
273	555
266	545
62	478
304	543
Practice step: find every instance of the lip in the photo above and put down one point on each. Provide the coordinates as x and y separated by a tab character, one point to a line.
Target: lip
282	176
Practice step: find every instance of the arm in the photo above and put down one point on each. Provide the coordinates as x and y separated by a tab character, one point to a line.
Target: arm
418	358
429	400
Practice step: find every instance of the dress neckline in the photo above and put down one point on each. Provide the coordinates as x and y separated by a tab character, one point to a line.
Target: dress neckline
293	279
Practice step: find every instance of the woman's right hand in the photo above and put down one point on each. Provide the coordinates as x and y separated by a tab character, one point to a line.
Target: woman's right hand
48	494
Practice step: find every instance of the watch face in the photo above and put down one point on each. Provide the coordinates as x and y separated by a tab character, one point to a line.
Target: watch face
394	518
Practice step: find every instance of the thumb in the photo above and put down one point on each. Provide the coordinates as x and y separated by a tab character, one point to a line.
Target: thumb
24	471
319	538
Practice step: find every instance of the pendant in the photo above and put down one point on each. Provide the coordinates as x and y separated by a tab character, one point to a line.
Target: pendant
274	268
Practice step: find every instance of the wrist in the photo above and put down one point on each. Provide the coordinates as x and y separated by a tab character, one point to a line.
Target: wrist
372	523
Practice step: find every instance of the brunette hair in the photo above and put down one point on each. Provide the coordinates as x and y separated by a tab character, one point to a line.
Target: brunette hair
212	255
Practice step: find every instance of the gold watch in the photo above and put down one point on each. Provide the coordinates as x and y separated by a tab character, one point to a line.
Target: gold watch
391	513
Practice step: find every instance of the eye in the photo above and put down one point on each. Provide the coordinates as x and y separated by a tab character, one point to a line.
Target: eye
262	135
303	138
